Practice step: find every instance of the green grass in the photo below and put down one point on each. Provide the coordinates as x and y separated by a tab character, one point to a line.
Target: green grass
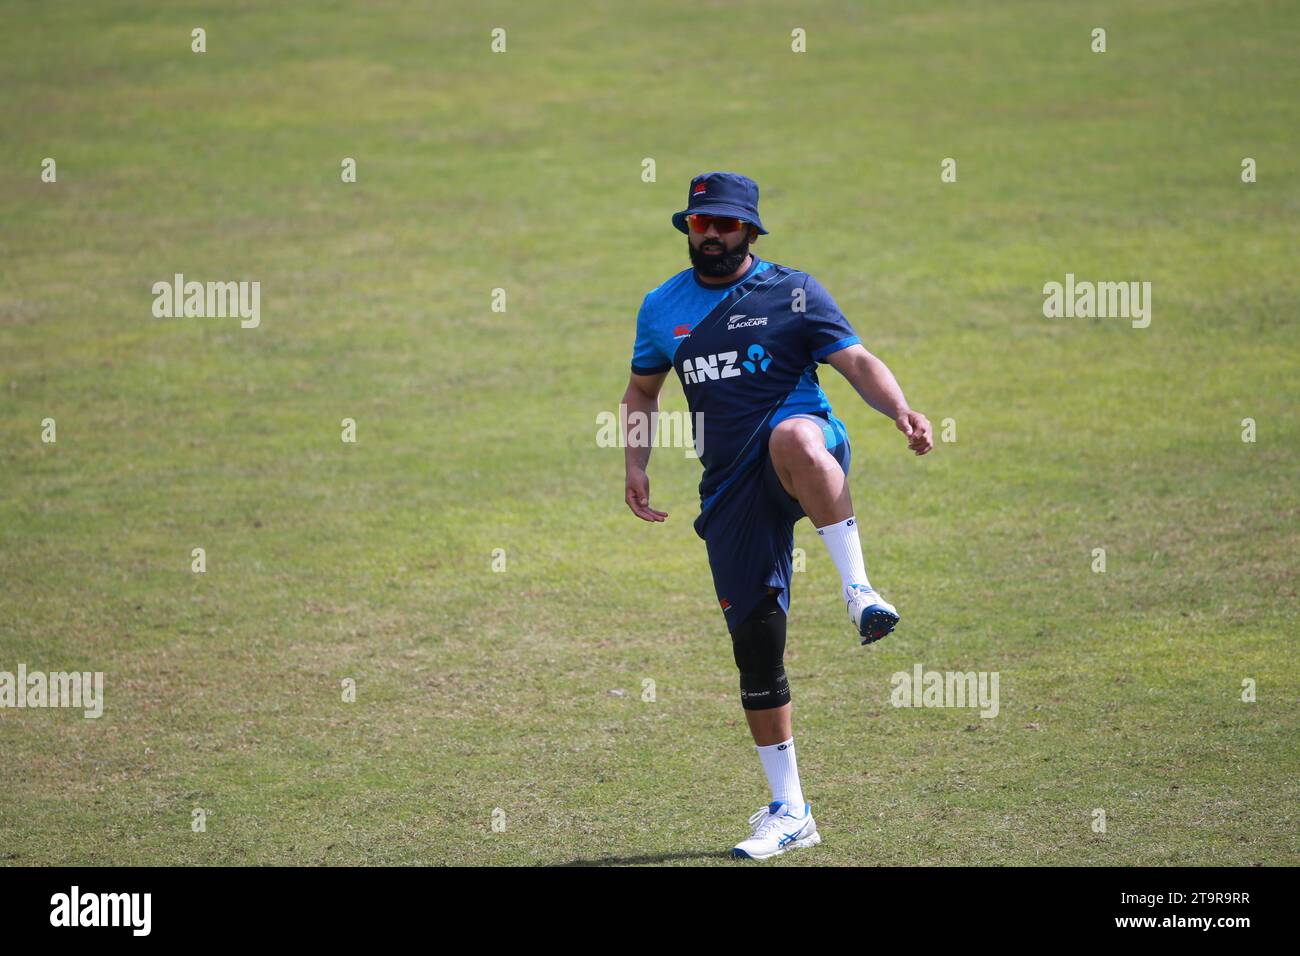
480	690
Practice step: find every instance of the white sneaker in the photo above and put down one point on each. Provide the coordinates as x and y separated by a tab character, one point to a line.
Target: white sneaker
777	829
872	615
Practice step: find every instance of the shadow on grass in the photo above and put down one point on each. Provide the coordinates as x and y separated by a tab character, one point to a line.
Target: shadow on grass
633	860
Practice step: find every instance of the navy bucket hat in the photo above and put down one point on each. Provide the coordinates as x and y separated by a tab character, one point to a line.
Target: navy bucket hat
721	194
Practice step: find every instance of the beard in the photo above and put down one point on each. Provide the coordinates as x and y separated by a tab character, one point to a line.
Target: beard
716	266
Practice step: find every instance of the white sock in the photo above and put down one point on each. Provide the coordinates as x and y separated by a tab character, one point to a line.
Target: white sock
846	551
783	774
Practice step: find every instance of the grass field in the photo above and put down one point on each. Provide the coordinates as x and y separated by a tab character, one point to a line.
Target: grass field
479	690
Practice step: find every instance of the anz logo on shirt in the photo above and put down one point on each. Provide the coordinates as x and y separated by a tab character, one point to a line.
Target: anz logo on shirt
706	368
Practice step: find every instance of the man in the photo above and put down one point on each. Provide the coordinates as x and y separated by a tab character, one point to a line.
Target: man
745	337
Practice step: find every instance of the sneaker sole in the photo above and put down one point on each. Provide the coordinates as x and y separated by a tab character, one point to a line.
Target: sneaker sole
813	840
877	624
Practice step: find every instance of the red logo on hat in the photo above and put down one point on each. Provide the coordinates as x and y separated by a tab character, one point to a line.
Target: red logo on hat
726	605
699	188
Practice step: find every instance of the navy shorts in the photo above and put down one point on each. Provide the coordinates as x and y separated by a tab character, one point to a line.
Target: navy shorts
749	534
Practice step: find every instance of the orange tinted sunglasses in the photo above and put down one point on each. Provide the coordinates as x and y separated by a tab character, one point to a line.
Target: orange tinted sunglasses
700	222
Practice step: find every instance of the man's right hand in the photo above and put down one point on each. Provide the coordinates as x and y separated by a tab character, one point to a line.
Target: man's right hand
638	497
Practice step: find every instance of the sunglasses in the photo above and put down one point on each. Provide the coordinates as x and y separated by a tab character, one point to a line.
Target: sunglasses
699	222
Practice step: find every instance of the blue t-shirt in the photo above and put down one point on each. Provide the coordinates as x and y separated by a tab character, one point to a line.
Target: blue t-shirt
746	354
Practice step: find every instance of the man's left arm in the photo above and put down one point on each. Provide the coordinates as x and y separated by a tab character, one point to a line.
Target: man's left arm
879	389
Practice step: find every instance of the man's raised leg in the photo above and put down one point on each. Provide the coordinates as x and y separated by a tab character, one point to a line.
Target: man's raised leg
811	474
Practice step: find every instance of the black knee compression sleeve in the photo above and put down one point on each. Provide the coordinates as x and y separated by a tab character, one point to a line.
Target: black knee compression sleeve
759	648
